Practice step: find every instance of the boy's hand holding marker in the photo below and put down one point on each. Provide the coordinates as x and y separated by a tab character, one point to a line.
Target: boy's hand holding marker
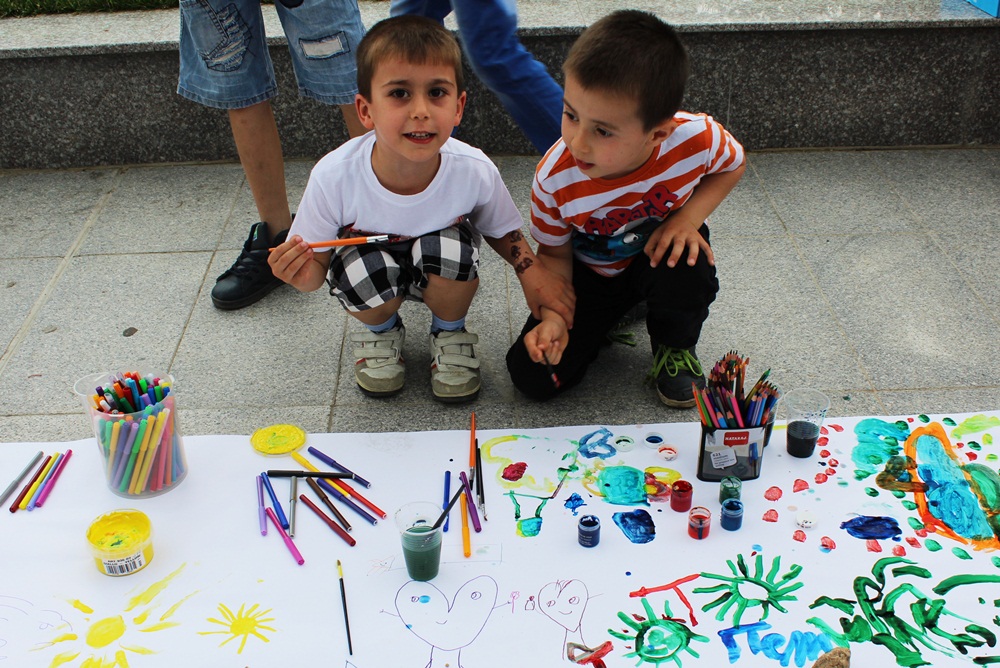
296	263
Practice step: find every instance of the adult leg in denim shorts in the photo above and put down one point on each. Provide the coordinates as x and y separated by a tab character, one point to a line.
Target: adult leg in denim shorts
225	64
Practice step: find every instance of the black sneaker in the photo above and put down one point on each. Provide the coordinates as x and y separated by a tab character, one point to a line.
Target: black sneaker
674	370
250	278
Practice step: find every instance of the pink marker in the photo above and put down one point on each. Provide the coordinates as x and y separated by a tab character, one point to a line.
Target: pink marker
284	536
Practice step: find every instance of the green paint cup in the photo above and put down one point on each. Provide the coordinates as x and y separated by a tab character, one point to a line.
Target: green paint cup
420	540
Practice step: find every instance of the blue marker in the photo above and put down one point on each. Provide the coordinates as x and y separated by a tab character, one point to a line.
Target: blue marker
274	501
447	496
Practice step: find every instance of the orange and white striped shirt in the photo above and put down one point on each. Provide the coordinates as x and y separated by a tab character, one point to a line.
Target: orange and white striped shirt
610	220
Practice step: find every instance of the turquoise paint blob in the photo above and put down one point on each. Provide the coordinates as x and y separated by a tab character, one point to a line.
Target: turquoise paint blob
529	528
960	553
950	498
574	502
424	599
623	485
996	561
878	440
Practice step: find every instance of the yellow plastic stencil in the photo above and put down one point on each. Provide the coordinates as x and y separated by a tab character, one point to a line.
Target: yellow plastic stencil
278	439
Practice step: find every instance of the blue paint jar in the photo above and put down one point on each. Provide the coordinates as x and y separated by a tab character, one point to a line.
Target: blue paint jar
589	530
731	517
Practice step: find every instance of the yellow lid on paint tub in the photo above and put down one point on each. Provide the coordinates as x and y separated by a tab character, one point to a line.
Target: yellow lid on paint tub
121	541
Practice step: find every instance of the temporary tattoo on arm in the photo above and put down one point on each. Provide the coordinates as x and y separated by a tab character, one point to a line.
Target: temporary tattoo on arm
522	266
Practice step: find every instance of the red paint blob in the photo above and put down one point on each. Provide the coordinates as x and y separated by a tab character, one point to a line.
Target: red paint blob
771	515
799	485
799	535
837	428
912	541
972	456
827	543
834	462
514	472
921	532
822	441
960	445
899	551
772	493
821	478
824	454
873	545
831	471
823	430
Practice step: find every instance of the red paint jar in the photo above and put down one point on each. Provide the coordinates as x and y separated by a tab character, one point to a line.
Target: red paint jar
680	496
699	522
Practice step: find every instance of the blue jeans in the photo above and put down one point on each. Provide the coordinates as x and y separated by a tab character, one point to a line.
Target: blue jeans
488	32
224	60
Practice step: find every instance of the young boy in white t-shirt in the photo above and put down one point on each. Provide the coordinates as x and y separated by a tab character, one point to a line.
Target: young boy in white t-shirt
435	196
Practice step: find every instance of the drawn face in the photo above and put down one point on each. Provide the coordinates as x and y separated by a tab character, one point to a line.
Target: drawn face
564	603
447	625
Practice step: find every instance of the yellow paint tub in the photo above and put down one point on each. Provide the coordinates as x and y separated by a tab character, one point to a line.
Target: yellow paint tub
121	542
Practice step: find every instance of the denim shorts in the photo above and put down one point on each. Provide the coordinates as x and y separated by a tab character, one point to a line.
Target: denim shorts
224	61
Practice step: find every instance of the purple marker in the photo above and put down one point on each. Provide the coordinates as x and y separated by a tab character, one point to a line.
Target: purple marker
260	506
473	513
330	461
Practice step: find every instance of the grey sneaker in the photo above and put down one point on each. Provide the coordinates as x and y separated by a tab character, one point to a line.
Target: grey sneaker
674	371
454	366
378	368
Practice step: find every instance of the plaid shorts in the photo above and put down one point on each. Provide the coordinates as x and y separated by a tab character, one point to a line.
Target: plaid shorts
363	277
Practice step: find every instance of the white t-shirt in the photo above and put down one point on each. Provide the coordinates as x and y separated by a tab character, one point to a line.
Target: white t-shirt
343	191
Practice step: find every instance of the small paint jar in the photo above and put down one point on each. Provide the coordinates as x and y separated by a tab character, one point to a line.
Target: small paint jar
699	522
589	530
121	542
680	496
730	488
654	440
731	517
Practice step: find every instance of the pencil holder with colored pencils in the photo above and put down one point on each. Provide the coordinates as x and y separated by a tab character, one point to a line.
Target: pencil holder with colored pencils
735	424
134	419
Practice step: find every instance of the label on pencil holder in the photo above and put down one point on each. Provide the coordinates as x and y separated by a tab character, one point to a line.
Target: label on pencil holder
731	452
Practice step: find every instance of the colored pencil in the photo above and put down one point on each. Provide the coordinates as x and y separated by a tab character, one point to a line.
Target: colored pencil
284	536
330	461
473	515
328	503
337	529
343	600
20	497
20	476
349	241
52	482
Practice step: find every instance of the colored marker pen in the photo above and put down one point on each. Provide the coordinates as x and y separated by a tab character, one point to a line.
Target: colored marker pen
282	520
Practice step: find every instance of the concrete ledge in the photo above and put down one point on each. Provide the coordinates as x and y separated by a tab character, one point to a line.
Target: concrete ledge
100	89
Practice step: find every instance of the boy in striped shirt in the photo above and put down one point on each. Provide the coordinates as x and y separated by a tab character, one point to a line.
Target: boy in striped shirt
619	205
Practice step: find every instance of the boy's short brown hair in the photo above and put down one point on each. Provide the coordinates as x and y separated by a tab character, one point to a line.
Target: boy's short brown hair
412	39
633	53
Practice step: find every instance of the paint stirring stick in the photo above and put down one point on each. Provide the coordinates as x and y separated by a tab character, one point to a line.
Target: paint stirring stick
343	600
20	476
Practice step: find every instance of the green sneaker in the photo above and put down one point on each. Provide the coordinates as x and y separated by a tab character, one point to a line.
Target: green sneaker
674	369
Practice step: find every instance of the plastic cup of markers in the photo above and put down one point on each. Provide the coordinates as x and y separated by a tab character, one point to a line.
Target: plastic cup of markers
121	542
142	451
420	540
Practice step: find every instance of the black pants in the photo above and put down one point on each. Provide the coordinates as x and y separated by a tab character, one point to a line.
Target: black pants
677	300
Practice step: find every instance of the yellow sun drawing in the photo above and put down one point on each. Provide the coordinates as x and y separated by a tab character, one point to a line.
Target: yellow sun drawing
246	623
111	639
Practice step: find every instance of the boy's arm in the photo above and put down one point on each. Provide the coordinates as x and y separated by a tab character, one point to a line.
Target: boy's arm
300	266
679	233
544	285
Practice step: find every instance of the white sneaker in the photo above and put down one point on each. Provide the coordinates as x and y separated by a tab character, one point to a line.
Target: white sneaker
379	369
454	366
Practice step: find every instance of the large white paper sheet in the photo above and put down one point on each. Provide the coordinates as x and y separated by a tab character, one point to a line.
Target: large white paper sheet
885	568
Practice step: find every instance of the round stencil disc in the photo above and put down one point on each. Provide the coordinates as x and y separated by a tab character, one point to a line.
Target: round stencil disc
278	439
